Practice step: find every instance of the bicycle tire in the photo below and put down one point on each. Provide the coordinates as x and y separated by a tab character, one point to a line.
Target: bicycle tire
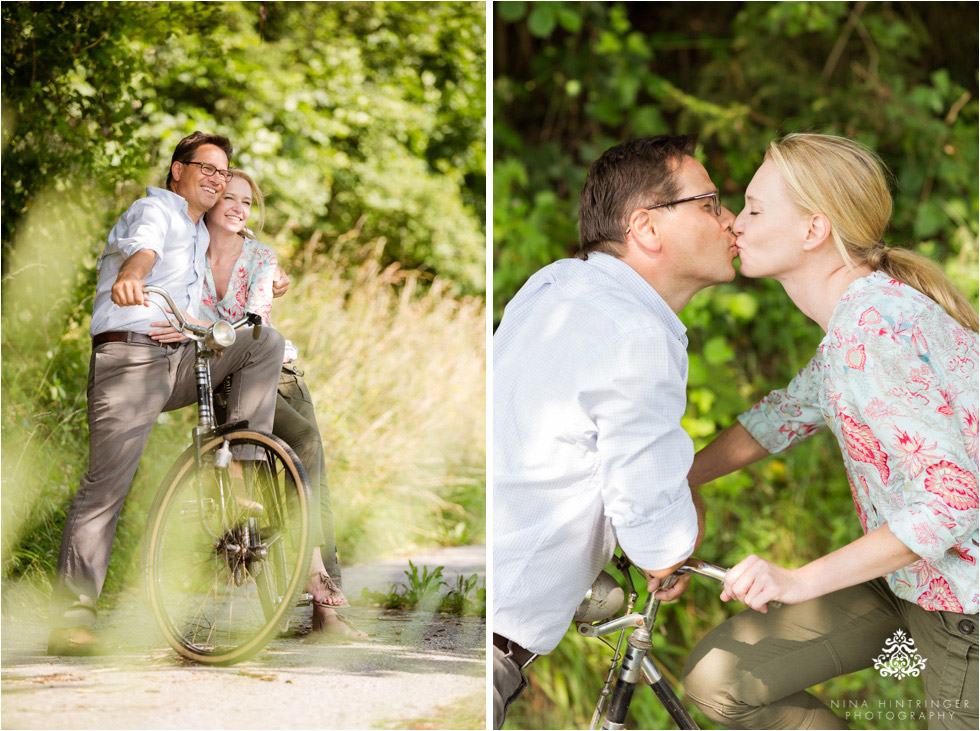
223	563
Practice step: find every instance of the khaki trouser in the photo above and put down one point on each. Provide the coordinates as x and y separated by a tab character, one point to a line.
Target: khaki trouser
509	683
752	671
129	384
295	423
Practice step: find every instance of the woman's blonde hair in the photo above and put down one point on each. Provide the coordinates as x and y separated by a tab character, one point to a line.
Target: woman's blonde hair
847	182
258	204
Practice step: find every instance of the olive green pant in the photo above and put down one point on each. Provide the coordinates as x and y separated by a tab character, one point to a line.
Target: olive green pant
752	671
295	423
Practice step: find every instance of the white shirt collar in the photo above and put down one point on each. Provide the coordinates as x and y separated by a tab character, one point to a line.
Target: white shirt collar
642	290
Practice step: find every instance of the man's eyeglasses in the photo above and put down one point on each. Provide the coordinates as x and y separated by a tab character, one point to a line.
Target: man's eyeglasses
715	209
207	170
713	196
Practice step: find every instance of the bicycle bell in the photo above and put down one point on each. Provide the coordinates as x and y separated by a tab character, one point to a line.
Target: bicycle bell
220	336
602	601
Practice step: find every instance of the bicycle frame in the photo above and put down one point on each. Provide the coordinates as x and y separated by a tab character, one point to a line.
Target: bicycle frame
209	341
637	662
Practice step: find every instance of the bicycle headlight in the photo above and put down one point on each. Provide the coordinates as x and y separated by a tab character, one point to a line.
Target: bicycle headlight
220	336
603	600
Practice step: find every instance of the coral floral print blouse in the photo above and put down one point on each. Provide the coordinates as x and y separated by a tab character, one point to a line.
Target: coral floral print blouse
249	289
895	379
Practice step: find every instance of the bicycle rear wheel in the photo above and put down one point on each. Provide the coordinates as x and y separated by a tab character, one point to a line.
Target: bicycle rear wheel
223	559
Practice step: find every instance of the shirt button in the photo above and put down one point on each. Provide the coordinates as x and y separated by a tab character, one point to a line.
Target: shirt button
966	626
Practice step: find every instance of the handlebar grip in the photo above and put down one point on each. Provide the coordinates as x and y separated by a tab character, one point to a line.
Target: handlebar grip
256	322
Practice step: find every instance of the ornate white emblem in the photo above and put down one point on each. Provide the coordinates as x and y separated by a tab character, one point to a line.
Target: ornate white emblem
900	658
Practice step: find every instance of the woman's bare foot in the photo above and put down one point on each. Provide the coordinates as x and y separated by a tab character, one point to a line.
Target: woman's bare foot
327	620
325	591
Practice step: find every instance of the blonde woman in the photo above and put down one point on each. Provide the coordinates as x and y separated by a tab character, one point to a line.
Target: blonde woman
895	379
238	279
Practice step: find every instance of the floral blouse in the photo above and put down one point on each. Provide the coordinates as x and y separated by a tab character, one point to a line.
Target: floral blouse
895	379
249	289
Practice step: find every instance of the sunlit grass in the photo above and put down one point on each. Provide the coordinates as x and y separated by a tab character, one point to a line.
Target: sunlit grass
398	376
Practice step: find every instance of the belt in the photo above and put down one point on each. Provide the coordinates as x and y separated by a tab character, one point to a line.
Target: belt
521	656
124	336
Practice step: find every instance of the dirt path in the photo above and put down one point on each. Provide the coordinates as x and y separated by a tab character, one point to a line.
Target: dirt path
418	670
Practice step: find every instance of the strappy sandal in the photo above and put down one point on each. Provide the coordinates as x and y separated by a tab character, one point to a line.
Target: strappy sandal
346	631
325	588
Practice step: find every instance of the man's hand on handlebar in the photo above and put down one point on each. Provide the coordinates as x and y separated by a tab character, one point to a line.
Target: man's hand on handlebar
676	585
128	290
128	287
673	585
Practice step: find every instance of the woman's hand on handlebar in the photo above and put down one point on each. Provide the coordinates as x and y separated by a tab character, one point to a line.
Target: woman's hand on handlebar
165	333
755	582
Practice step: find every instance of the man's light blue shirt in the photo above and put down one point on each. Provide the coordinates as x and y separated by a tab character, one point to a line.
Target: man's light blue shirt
589	387
159	222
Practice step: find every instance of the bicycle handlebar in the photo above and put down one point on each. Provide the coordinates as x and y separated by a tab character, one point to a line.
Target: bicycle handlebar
712	571
691	566
217	336
703	568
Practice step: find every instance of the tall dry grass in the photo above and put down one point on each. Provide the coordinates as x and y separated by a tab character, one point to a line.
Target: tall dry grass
397	370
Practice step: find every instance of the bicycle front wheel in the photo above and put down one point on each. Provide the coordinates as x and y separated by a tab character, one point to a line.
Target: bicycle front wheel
224	558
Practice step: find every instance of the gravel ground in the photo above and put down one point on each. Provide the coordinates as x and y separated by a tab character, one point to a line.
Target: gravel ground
413	666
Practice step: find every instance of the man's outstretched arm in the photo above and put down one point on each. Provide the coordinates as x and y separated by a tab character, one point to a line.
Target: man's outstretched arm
732	450
128	289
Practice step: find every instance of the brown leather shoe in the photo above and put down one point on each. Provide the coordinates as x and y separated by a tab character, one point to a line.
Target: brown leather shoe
75	642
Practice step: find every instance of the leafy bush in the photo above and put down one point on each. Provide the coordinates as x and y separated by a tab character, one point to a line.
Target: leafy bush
365	116
572	79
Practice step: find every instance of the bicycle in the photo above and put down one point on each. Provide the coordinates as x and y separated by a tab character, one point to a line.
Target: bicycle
225	554
593	619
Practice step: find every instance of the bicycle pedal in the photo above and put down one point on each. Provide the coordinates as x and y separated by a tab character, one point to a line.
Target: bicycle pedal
304	599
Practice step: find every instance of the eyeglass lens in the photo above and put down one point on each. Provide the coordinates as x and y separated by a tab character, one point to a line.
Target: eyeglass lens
207	170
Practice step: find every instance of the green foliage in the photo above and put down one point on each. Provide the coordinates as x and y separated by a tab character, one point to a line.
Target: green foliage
352	116
900	77
423	591
739	75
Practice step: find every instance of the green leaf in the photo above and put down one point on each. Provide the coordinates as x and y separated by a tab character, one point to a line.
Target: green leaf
929	219
510	11
570	20
718	351
542	20
743	306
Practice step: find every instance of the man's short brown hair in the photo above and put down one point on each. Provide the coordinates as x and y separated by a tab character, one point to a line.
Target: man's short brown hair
631	175
184	152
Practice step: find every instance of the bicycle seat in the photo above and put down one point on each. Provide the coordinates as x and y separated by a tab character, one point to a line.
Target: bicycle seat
602	601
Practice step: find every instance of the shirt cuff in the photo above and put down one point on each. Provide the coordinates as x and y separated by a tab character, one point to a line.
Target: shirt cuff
128	248
663	540
916	528
755	422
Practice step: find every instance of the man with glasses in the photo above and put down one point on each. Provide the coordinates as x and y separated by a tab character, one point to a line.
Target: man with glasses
161	240
590	372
